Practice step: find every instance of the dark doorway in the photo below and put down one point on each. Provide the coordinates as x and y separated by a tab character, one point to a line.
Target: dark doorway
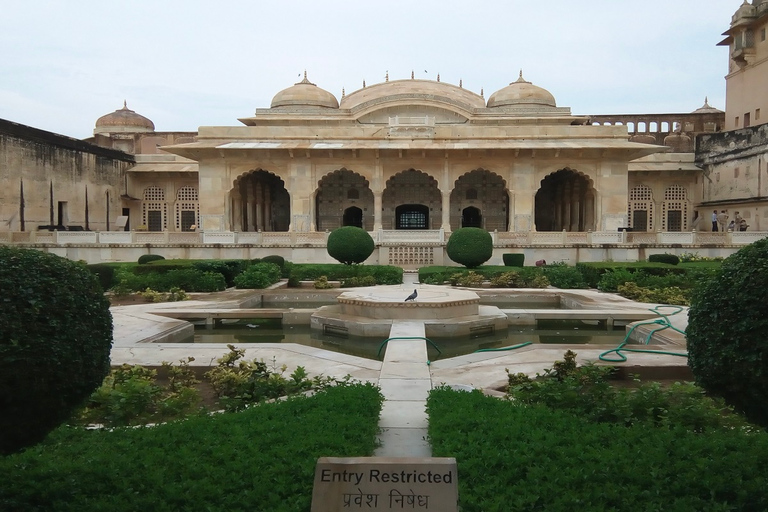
640	220
674	220
471	217
565	202
188	220
353	216
412	216
127	215
154	220
62	217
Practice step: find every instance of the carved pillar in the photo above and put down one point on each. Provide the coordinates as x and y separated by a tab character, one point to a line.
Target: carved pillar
446	221
237	211
377	210
250	207
575	205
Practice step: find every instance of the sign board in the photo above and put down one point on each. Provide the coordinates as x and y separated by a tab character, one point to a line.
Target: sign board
385	483
121	221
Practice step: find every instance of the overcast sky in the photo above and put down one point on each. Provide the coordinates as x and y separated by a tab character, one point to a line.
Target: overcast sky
192	63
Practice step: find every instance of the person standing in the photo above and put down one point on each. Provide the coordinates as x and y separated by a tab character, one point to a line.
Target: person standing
722	220
714	220
737	218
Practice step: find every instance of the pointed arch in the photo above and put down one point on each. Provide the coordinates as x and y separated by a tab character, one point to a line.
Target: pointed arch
675	209
187	208
260	202
640	208
154	209
338	192
411	200
565	201
486	193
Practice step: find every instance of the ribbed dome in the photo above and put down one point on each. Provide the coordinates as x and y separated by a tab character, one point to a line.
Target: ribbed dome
304	94
707	109
521	92
123	120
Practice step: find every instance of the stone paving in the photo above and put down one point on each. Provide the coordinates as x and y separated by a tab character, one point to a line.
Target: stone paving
404	376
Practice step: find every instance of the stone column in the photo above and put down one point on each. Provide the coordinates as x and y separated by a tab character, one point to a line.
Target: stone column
237	211
377	210
250	208
575	205
259	193
446	222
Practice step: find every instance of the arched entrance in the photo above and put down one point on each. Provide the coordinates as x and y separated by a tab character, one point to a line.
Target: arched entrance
411	200
339	194
565	202
483	195
260	202
471	217
353	216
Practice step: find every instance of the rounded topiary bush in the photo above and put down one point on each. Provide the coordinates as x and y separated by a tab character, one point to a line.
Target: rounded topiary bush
146	258
55	338
350	245
470	247
672	259
727	326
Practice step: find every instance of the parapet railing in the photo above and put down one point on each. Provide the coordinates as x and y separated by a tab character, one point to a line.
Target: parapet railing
382	237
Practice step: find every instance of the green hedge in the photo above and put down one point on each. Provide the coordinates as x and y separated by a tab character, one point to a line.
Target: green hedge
350	244
383	274
260	275
517	457
188	279
513	259
147	258
55	340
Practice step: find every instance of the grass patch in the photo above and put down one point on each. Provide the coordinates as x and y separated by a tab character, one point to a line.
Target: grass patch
529	457
261	459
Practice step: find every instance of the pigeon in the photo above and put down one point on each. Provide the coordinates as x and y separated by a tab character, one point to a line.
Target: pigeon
411	296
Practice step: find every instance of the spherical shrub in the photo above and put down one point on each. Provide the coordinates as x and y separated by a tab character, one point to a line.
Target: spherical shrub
55	338
350	245
146	258
727	326
470	247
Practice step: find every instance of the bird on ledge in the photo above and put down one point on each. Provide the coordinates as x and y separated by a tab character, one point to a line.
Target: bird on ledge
411	296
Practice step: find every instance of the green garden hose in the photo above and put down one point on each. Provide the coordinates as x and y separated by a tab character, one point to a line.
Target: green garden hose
663	322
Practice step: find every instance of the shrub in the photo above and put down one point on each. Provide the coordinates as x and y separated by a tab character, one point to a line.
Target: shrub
321	283
470	247
513	259
469	279
277	260
56	335
227	268
350	244
669	295
359	281
146	258
727	325
561	275
260	275
610	281
104	272
664	258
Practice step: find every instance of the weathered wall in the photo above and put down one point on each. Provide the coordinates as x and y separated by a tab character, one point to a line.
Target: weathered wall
56	172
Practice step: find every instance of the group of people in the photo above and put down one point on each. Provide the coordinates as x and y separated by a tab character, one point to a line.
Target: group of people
720	221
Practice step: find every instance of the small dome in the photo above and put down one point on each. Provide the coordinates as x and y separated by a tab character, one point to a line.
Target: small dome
679	142
123	120
521	92
707	109
304	94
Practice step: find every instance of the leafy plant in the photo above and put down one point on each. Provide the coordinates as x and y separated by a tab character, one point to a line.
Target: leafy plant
469	279
671	259
470	247
321	283
146	258
55	339
260	275
350	244
513	259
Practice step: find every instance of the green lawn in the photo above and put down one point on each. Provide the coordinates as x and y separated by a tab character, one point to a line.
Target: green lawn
262	459
522	458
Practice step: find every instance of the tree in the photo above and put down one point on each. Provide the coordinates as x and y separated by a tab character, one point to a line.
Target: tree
470	247
727	326
55	339
350	244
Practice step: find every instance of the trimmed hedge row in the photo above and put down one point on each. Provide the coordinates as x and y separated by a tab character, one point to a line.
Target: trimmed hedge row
188	279
383	274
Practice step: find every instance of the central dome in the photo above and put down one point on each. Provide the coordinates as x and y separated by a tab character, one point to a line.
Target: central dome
409	90
123	120
521	92
304	94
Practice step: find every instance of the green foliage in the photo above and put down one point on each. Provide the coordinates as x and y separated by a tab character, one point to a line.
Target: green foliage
187	279
671	259
727	326
239	383
383	274
277	260
513	259
227	268
321	283
514	456
350	244
524	278
694	257
55	339
611	280
173	295
668	295
262	459
104	272
146	258
260	275
560	275
359	281
470	247
131	395
469	279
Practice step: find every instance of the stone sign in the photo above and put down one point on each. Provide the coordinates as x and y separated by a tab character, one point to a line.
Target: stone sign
385	483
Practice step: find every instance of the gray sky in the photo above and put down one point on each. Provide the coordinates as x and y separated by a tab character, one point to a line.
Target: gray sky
192	63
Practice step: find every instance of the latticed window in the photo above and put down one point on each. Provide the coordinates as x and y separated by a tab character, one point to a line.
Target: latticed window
675	209
187	208
154	208
640	208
